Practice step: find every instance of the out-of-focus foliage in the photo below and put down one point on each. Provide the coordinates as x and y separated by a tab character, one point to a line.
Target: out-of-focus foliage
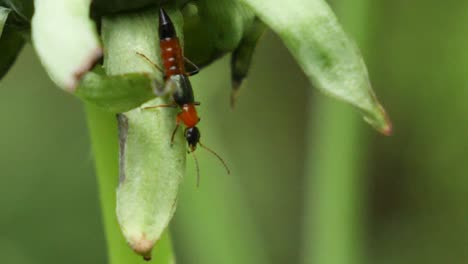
418	177
45	206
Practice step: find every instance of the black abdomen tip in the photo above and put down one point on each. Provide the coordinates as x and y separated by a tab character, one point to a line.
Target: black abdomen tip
166	27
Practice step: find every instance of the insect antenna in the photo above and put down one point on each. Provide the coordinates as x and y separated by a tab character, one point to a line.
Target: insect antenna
143	56
196	165
219	157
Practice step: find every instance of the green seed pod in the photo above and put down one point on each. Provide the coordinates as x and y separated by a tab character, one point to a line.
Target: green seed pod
151	169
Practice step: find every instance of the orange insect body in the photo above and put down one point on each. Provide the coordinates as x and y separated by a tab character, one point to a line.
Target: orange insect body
174	65
188	115
172	56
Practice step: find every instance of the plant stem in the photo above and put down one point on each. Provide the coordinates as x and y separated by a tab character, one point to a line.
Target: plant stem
334	220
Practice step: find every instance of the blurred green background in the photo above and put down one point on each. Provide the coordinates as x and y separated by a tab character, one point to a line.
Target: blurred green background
408	203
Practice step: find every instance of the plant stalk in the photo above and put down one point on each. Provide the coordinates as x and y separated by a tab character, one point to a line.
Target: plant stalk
335	211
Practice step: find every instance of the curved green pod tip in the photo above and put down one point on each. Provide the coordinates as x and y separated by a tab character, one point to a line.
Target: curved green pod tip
327	56
151	169
65	39
4	12
242	57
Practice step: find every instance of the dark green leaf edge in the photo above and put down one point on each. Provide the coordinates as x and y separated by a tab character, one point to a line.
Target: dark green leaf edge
11	42
241	58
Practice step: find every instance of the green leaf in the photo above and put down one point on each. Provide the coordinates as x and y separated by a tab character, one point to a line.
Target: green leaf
328	57
65	39
11	42
118	93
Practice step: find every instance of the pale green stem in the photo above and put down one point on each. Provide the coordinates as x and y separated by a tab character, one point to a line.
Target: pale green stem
334	219
333	203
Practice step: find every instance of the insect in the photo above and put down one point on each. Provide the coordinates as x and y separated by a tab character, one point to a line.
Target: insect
182	93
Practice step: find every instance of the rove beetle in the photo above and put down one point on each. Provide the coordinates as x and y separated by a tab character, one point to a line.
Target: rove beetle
182	94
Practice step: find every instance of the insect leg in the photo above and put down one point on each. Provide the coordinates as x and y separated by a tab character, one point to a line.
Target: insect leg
159	106
196	70
174	132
